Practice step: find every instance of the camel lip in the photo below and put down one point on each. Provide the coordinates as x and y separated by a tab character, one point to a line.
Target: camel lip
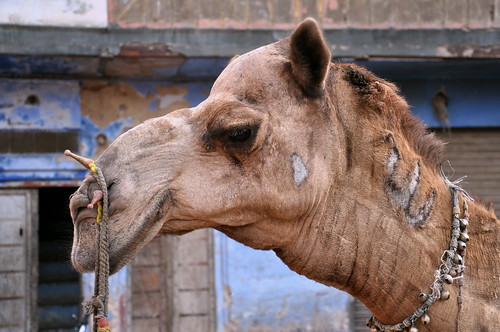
83	214
120	252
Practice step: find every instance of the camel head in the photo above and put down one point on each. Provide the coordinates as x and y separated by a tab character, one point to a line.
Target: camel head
321	162
249	160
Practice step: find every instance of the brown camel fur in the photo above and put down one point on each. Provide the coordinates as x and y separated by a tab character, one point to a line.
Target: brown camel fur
320	162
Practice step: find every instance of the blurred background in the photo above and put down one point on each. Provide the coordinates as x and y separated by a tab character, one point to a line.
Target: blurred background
77	73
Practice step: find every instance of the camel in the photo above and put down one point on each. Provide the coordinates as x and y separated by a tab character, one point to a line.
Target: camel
320	162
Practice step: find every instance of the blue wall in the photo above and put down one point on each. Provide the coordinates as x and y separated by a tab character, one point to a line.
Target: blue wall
254	288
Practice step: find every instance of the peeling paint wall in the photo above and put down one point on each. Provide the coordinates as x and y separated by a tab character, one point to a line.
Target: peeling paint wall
110	108
97	111
75	13
256	292
39	104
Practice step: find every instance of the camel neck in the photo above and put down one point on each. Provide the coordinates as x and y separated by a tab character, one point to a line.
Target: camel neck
361	247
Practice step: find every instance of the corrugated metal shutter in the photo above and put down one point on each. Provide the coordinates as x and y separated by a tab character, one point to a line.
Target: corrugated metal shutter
360	314
476	153
18	263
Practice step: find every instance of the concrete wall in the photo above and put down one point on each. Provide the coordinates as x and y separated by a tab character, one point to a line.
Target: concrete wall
213	28
284	14
260	14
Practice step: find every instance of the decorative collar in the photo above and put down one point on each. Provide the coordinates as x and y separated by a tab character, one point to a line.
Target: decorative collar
452	267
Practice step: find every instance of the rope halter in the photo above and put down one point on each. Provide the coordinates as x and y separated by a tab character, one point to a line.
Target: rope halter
98	305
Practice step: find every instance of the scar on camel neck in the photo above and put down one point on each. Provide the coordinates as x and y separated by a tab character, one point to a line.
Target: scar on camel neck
404	187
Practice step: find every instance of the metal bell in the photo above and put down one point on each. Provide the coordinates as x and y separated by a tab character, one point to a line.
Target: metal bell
425	319
413	329
461	245
464	223
453	272
457	259
445	295
464	237
422	297
447	279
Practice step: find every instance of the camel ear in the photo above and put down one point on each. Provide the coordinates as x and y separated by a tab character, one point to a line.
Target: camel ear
310	57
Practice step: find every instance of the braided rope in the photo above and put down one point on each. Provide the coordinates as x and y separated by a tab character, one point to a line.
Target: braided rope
101	287
98	305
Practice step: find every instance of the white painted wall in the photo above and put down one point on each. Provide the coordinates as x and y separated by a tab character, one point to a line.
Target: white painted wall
73	13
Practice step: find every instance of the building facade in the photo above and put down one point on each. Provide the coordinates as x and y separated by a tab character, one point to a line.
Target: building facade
76	74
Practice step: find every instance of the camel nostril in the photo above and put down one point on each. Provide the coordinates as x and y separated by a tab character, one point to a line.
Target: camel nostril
111	184
96	197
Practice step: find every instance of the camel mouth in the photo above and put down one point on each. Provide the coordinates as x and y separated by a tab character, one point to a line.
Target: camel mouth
134	230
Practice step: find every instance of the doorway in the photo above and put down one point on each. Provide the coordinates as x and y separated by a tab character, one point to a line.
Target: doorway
59	290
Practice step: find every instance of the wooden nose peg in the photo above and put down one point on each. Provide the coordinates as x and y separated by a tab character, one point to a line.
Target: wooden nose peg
96	197
86	162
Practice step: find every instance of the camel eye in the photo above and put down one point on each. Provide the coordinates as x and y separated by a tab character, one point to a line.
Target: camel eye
240	135
238	139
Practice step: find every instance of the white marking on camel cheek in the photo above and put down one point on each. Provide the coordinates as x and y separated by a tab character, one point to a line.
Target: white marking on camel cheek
300	172
393	159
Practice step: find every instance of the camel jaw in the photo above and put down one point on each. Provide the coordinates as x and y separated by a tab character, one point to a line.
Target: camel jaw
128	233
